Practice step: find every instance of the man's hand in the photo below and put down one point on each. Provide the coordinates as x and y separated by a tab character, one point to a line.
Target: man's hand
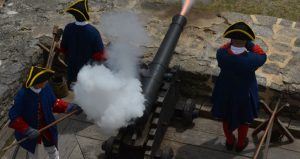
72	106
249	45
32	133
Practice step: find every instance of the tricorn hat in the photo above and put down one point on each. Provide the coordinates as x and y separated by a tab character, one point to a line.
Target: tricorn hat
38	75
240	31
79	10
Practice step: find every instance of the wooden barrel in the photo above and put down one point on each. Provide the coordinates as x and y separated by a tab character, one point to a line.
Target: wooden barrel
60	87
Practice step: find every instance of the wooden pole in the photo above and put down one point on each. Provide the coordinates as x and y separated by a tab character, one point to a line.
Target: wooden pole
267	144
57	32
43	129
270	123
43	47
48	51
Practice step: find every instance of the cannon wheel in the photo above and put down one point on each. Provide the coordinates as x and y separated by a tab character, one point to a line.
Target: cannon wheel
167	153
188	111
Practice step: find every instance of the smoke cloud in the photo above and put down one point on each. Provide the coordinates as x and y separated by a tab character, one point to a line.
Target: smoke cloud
112	97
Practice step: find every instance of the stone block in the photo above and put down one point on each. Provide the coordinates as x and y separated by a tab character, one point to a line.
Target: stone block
289	32
277	87
233	17
266	20
264	31
282	47
297	42
261	81
3	91
286	23
271	69
291	74
277	58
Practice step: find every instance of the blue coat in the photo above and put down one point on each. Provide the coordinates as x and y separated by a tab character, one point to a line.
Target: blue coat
80	43
26	106
235	95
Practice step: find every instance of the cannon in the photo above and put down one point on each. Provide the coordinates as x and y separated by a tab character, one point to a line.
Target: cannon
142	139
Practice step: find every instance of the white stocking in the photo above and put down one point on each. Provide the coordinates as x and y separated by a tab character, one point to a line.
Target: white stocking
52	152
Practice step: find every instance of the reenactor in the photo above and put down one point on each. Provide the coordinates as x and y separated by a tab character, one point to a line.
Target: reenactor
235	96
33	109
81	42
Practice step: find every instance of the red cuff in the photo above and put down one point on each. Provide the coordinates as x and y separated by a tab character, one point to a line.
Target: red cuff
257	49
100	56
60	106
19	125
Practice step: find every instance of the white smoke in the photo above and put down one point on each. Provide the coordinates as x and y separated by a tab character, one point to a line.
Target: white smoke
113	97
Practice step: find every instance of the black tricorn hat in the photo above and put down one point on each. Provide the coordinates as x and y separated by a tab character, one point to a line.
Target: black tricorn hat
38	75
79	10
240	31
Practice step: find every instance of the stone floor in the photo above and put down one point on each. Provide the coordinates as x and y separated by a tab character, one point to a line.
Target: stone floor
80	139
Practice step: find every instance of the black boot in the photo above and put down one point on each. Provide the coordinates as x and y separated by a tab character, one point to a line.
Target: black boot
241	148
229	147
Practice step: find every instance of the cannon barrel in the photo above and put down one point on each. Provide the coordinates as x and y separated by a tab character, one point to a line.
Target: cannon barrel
159	65
143	138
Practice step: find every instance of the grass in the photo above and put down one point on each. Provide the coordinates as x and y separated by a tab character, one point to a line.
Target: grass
287	9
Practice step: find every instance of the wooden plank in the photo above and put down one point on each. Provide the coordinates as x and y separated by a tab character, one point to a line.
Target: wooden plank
91	149
208	125
76	154
81	117
92	131
182	151
275	153
203	139
295	146
67	140
8	154
20	155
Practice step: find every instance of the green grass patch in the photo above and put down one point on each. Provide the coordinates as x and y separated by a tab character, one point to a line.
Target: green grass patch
287	9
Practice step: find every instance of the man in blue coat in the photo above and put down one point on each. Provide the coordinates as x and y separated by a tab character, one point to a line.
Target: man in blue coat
33	109
235	96
81	42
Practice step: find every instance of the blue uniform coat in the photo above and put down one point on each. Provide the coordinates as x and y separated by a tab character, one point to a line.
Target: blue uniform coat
235	96
80	43
26	106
